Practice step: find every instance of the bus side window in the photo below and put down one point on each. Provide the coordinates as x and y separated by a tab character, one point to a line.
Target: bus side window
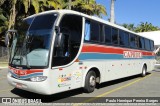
126	39
95	31
121	37
132	41
114	36
108	37
136	41
141	43
152	45
87	31
147	45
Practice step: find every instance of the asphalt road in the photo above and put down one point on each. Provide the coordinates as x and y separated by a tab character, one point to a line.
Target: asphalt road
134	86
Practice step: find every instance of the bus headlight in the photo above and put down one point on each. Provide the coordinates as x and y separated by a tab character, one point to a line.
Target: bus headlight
38	78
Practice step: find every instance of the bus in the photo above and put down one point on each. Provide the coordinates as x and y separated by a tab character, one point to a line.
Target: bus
61	50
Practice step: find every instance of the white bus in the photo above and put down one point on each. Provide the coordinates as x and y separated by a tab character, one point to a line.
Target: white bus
61	50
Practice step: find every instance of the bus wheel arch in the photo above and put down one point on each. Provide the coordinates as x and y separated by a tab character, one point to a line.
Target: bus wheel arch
93	73
144	70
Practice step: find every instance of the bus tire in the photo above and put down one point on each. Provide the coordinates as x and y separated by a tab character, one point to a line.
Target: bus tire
144	71
90	82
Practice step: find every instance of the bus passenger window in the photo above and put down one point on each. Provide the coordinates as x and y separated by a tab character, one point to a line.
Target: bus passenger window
136	42
95	31
152	45
141	43
147	45
126	39
108	34
114	36
132	41
87	31
121	37
102	36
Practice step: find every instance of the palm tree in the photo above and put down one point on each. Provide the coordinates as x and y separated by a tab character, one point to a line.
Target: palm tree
129	26
89	7
145	27
112	20
12	11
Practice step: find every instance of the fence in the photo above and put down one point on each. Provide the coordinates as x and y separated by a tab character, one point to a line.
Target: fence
4	54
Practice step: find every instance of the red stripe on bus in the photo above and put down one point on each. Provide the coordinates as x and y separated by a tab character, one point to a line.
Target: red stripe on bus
110	50
24	72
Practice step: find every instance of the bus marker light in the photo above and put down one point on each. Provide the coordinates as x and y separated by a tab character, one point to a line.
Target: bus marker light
60	69
77	60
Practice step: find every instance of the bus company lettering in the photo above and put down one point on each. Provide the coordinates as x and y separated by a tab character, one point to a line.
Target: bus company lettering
132	54
19	72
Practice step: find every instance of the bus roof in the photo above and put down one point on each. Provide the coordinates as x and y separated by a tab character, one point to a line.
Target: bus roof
87	16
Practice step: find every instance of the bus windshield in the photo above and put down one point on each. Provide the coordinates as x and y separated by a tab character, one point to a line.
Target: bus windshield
30	46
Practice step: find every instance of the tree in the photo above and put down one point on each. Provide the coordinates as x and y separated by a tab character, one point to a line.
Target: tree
89	7
13	11
112	20
145	27
142	27
129	26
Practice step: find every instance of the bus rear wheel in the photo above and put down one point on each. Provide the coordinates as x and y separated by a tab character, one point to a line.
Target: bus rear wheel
144	71
90	82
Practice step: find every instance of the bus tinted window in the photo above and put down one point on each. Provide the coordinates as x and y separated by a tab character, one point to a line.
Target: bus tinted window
136	41
114	36
147	45
108	34
126	39
141	43
43	22
87	31
121	37
102	37
132	41
95	31
152	45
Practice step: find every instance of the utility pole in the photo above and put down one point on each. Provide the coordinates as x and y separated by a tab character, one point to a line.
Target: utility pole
112	18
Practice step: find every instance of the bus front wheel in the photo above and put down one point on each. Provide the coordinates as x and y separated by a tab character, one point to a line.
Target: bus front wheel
90	82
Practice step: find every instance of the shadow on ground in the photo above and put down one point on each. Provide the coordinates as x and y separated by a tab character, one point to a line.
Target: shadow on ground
61	97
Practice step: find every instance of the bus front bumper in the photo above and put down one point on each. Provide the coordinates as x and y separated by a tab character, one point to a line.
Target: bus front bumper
36	87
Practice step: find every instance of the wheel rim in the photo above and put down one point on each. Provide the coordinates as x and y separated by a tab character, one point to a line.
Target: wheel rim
92	81
144	71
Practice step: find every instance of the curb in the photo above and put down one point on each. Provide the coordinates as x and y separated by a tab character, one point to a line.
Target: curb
3	67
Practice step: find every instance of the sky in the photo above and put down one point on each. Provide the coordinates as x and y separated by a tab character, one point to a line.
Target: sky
134	11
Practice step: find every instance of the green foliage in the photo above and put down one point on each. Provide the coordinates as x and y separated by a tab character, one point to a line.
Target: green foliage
142	27
13	11
146	27
129	26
